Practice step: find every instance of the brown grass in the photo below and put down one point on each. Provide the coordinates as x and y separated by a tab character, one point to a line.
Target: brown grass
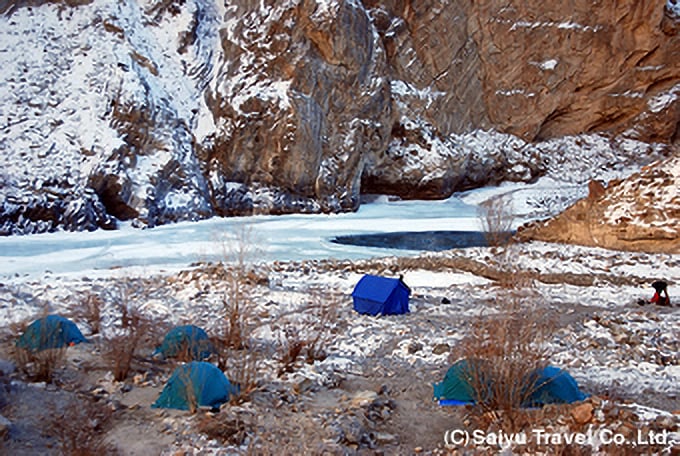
504	351
134	330
496	218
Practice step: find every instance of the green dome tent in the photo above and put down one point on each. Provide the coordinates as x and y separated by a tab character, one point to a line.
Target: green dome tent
196	384
456	387
549	385
188	339
52	331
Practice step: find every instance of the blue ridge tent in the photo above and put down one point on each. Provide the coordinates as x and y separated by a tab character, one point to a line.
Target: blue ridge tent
374	295
549	385
52	331
196	384
188	340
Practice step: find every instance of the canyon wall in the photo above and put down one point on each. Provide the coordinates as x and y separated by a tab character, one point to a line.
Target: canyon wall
155	111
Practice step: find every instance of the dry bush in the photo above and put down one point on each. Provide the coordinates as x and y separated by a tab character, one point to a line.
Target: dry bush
239	279
291	350
496	218
324	321
80	427
240	365
504	352
243	371
184	375
311	334
89	309
508	274
133	330
226	428
40	366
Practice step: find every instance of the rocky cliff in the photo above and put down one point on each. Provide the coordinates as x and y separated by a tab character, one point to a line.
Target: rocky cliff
157	111
639	213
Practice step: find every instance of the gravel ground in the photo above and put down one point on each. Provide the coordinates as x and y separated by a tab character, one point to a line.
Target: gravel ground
368	389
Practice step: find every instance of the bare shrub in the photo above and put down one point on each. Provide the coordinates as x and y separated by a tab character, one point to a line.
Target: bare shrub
496	218
310	333
240	365
89	309
229	429
504	352
291	350
324	321
40	366
184	377
239	279
80	427
244	373
509	275
133	330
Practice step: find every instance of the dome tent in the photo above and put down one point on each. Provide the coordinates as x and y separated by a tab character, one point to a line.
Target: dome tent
188	340
549	385
554	386
196	384
52	331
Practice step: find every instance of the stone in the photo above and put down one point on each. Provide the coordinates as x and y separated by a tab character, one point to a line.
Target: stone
414	347
383	438
5	425
582	413
440	349
363	398
589	223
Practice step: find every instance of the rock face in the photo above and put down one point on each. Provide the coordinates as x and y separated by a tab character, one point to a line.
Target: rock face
302	96
157	111
556	69
640	213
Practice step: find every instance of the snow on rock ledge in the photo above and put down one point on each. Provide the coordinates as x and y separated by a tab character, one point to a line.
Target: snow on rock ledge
641	212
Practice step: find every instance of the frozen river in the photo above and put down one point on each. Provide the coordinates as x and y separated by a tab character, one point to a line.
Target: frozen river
284	237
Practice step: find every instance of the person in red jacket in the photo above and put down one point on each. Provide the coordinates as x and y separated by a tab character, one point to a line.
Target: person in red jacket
660	297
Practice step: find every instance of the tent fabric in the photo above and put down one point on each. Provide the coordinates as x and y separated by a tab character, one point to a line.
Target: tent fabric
456	385
555	386
550	385
52	331
374	295
188	337
196	384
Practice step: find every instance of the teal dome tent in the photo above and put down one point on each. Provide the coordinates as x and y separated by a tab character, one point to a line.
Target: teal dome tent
196	384
52	331
549	385
188	340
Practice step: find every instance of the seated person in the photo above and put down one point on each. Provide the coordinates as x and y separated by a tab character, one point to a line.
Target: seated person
660	297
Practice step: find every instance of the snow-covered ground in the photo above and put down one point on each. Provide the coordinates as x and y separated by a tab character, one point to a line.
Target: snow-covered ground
614	348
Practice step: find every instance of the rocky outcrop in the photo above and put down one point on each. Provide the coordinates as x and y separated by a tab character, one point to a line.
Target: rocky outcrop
302	96
639	213
555	69
159	111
